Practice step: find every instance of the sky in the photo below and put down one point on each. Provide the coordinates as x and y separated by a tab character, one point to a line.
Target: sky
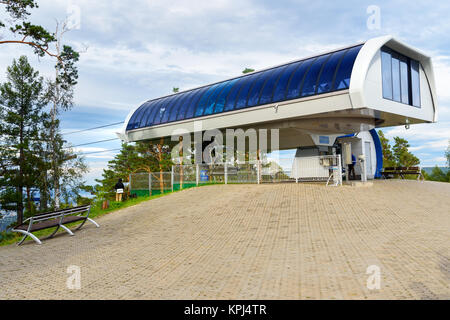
133	51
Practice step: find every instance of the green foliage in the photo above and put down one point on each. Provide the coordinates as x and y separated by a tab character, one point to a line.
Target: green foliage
447	154
397	155
175	90
247	70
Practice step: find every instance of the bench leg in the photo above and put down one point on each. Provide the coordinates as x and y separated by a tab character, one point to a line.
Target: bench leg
67	229
26	234
54	232
92	221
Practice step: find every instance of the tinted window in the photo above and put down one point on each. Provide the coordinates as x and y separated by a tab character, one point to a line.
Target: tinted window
194	101
146	113
269	86
161	107
151	115
220	102
255	91
395	78
280	90
415	83
344	71
212	99
386	73
309	84
173	100
202	104
185	104
325	83
241	100
404	85
133	123
231	99
176	107
297	79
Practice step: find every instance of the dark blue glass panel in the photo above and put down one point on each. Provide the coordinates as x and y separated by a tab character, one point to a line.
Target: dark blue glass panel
310	82
152	114
281	87
344	71
146	113
213	97
329	70
241	100
176	107
133	122
161	107
194	101
386	74
231	99
185	104
395	78
202	104
415	83
404	85
220	102
295	83
255	91
269	85
173	100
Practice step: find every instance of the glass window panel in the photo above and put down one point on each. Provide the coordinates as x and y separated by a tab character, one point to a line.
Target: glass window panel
396	78
344	71
267	91
185	104
173	100
212	99
327	74
176	107
202	104
386	73
152	114
281	87
161	108
309	84
297	79
241	100
220	102
255	91
231	99
132	124
415	83
194	101
146	113
404	85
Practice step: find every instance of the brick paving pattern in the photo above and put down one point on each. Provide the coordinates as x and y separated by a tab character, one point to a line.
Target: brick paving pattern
270	241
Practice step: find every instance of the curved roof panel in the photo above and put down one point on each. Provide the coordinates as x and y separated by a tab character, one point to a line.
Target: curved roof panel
317	75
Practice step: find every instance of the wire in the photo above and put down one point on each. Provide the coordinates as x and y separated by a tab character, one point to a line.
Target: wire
104	126
82	154
88	143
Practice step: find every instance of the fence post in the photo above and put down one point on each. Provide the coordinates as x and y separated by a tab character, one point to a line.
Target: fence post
258	171
129	179
171	178
196	174
150	184
225	170
340	169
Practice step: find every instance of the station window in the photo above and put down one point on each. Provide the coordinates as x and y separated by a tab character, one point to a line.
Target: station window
400	78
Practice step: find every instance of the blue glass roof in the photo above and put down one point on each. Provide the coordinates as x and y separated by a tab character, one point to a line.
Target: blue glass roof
317	75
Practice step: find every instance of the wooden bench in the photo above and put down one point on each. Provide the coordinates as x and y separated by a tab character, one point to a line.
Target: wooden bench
55	219
390	172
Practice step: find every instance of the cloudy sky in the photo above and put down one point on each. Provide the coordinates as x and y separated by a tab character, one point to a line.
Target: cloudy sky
138	50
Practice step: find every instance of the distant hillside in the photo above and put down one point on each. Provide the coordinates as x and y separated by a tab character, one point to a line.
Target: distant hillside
429	169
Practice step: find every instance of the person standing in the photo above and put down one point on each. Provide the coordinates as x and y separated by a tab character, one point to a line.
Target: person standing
119	190
351	168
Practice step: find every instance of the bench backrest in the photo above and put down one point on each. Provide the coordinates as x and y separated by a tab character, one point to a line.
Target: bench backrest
57	213
401	169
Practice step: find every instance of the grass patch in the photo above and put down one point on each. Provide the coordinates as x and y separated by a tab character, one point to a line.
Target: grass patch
96	211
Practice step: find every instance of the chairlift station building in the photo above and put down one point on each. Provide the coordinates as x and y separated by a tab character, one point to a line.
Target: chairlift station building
317	103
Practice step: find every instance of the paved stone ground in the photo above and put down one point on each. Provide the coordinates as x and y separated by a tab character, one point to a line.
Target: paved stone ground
281	241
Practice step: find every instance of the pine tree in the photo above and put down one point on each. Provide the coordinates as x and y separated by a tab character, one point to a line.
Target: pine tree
21	114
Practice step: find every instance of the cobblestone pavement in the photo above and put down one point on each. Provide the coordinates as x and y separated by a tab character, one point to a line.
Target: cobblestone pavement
271	241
